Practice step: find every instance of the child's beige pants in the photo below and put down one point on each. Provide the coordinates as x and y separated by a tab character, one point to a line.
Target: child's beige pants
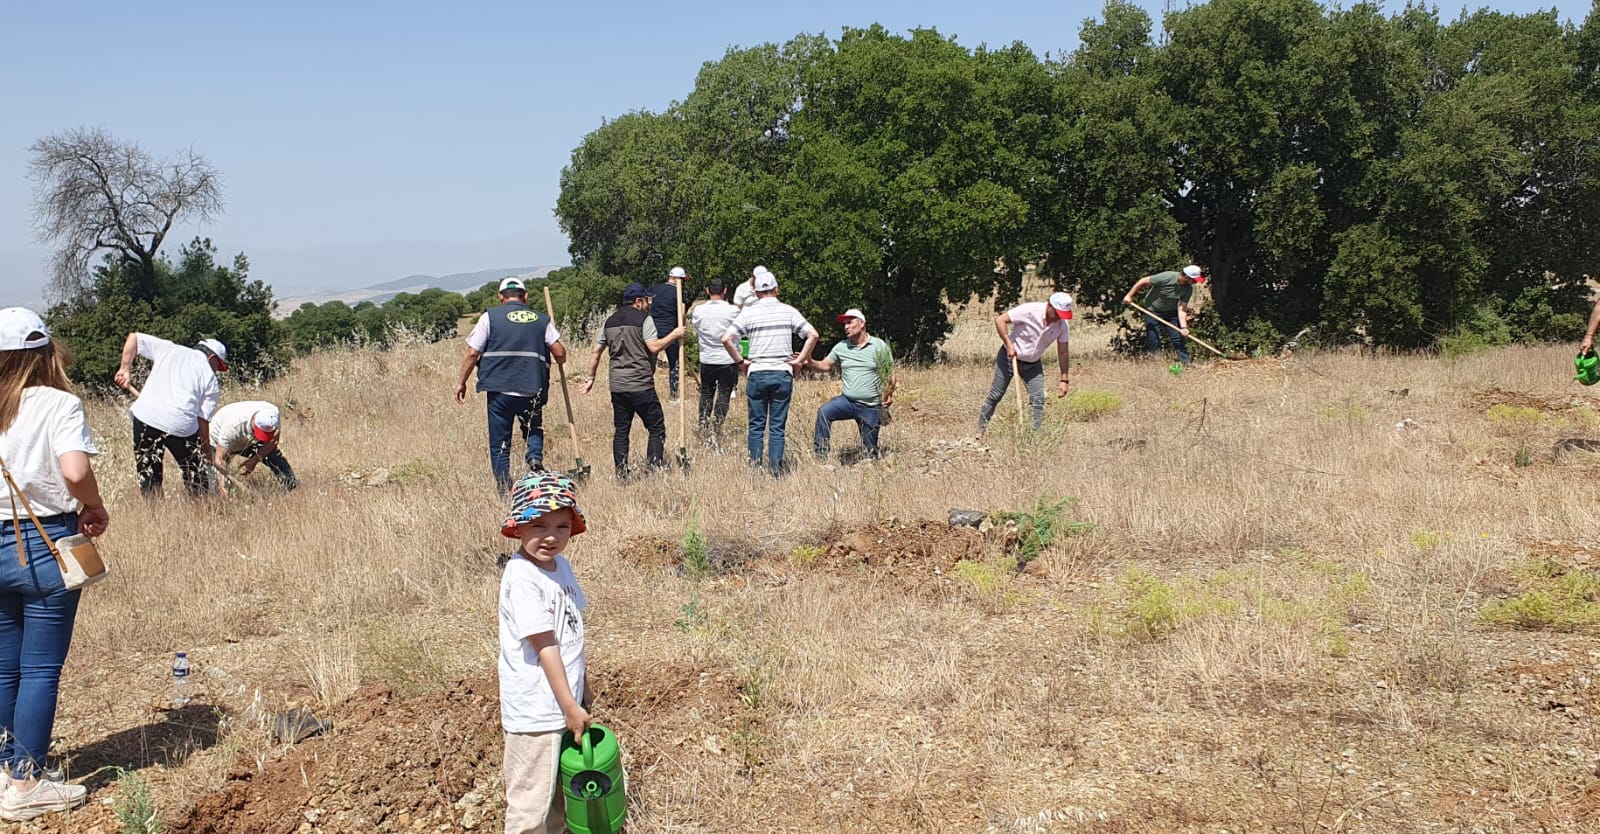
532	768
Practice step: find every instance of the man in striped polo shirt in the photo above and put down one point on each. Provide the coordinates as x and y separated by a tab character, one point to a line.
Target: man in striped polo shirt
771	327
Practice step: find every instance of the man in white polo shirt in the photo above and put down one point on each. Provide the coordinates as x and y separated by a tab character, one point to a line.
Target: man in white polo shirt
251	429
1026	331
173	412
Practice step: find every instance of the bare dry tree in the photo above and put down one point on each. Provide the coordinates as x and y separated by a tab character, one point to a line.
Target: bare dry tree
94	193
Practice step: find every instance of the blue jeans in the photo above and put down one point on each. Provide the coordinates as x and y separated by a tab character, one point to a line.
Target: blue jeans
36	617
1152	337
867	417
767	395
505	411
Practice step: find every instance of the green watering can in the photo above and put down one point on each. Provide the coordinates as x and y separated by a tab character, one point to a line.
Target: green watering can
1588	365
592	781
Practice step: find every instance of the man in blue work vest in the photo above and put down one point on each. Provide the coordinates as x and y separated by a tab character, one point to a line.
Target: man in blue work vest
511	346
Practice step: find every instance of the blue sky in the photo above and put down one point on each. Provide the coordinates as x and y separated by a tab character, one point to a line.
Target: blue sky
363	142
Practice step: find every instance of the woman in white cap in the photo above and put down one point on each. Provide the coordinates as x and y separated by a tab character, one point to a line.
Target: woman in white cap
45	446
251	429
746	292
174	410
1168	297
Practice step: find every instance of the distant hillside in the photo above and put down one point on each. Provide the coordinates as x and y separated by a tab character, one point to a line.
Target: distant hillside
378	293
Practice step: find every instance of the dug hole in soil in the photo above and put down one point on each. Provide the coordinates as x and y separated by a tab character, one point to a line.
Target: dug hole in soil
432	762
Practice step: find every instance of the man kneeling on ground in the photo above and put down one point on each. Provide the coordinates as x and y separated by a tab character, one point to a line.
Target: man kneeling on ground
866	366
250	429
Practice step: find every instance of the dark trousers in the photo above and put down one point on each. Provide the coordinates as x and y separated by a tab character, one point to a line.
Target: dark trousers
767	395
1032	377
148	445
275	463
506	412
674	354
647	406
867	417
716	386
1153	331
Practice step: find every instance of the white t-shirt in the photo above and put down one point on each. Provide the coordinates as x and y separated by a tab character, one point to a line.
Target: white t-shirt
230	426
49	424
534	601
744	294
711	320
182	389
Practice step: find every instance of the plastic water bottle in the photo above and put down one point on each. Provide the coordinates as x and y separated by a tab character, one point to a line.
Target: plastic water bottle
180	680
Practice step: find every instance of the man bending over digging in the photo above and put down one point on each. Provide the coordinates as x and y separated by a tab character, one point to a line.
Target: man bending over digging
1025	331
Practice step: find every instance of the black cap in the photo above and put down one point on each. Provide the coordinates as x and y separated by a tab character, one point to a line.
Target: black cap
634	292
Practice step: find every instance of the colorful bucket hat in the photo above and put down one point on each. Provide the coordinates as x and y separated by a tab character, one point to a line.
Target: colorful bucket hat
538	493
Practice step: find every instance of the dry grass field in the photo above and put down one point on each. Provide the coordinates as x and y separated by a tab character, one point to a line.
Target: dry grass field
1328	593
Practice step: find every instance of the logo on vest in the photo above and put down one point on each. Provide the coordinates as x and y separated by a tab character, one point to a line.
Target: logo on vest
522	317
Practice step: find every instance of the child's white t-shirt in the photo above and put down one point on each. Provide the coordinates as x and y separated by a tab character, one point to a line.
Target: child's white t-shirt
533	601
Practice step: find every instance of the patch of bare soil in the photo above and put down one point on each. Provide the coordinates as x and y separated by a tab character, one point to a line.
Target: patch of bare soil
432	763
918	554
1490	397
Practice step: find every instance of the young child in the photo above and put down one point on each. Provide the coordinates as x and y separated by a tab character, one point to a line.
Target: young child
544	688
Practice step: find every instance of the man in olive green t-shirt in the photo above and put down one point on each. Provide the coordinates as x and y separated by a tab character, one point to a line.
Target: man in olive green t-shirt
1168	297
862	360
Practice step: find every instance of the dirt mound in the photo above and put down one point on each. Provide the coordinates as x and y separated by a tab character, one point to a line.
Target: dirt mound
432	763
920	553
391	765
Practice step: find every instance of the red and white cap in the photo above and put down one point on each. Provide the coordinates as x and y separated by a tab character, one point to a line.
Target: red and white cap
217	349
1062	304
1195	273
264	424
851	313
677	272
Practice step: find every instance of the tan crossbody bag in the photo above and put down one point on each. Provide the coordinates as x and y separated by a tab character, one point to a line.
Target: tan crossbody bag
80	561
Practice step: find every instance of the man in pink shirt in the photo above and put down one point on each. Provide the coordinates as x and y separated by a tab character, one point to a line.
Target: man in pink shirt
1026	330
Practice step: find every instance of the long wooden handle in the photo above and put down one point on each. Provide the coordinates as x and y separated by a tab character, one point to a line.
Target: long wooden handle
683	377
1193	338
561	371
1016	377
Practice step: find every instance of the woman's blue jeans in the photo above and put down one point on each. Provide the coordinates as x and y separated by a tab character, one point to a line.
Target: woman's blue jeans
36	617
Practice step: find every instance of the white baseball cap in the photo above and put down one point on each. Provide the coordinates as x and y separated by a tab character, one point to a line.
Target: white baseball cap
677	272
851	313
1194	272
217	349
264	423
764	281
1062	304
513	283
759	270
22	329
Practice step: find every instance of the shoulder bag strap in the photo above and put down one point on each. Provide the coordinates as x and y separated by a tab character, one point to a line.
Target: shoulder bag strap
16	523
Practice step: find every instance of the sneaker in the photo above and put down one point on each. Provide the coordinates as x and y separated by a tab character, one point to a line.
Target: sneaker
44	797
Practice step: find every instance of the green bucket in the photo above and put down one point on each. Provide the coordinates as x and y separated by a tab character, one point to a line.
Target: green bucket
1588	365
593	782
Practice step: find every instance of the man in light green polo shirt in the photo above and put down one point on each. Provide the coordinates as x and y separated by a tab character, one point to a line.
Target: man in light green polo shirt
867	367
1167	296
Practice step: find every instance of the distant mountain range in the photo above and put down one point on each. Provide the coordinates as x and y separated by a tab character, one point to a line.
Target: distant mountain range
461	282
